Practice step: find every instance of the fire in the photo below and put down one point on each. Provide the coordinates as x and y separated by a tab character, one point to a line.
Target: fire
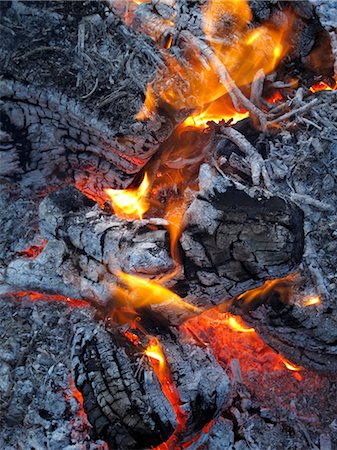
245	51
219	331
249	50
291	366
215	112
143	292
33	250
154	351
174	216
37	296
131	203
282	287
275	97
149	105
321	86
157	358
312	300
237	324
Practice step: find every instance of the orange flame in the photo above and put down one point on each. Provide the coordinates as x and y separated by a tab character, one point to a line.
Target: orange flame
248	50
149	105
157	358
131	203
215	112
174	215
253	49
281	286
143	292
312	300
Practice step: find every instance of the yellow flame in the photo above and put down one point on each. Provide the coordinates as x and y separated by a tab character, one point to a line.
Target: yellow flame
238	325
312	300
321	86
154	351
131	203
241	49
201	120
254	35
143	292
291	366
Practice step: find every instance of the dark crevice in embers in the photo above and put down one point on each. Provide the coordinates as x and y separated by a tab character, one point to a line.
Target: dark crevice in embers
20	139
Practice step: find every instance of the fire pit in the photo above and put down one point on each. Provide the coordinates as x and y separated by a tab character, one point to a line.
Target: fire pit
168	254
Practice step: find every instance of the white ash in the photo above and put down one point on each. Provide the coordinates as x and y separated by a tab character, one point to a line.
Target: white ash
37	406
327	12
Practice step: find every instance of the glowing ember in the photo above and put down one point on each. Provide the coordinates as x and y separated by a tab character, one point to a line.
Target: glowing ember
34	250
37	296
158	361
134	338
321	86
275	97
130	203
255	357
312	300
143	292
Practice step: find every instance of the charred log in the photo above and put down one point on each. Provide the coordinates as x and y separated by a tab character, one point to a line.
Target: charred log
224	246
125	410
307	338
68	105
123	397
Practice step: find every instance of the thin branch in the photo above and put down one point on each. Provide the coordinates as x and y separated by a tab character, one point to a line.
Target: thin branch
257	163
226	80
297	111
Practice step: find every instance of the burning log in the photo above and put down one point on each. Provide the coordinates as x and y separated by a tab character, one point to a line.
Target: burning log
142	382
65	129
224	247
131	404
47	143
125	413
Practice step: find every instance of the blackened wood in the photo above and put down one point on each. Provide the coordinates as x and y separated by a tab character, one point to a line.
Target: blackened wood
122	394
304	335
72	84
123	397
235	238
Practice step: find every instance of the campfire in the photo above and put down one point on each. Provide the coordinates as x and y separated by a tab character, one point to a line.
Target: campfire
169	191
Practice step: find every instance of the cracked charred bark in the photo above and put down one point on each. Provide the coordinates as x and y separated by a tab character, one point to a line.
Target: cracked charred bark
50	139
123	397
69	100
224	246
